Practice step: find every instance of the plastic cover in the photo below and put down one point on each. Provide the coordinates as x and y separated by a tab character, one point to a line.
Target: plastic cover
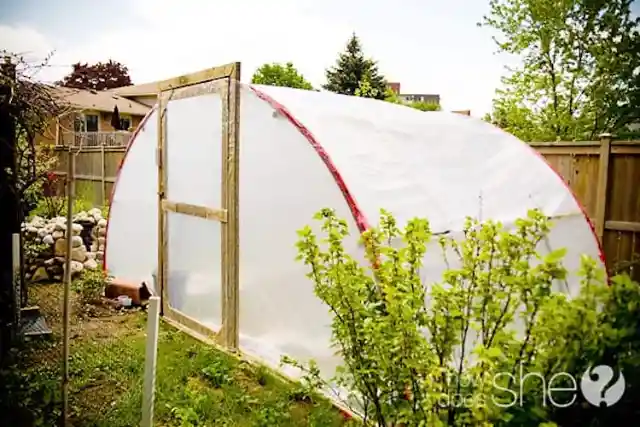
441	166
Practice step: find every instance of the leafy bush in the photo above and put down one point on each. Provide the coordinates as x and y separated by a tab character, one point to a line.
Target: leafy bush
90	284
51	205
493	316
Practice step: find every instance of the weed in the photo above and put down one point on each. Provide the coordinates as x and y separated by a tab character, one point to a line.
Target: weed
90	285
218	373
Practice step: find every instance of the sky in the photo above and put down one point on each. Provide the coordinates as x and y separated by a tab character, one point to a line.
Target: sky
429	46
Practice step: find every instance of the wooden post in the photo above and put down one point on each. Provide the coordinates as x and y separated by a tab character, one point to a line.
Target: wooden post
160	161
67	287
17	269
230	181
103	187
153	314
603	184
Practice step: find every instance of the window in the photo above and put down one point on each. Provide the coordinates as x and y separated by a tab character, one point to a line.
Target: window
91	122
125	123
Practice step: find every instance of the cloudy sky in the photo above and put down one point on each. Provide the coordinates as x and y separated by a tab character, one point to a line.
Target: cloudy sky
429	46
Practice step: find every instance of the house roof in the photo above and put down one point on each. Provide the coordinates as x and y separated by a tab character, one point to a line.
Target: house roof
146	89
99	100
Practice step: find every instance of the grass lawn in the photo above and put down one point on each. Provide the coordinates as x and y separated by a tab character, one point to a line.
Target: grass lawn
196	385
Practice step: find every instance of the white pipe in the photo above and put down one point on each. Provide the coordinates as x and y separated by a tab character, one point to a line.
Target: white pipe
153	316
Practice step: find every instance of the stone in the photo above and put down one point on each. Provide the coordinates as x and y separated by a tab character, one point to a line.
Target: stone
102	223
42	232
76	229
57	234
40	275
91	255
50	261
60	248
101	240
76	241
100	248
32	230
90	264
102	232
57	278
60	260
99	255
76	267
48	239
94	247
60	226
79	253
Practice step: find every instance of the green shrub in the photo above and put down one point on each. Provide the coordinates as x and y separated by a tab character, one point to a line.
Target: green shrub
380	315
90	284
51	206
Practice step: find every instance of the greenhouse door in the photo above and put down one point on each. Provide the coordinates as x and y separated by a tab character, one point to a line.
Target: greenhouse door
197	159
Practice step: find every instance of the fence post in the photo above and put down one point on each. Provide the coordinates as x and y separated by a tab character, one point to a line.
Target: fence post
103	187
150	361
603	184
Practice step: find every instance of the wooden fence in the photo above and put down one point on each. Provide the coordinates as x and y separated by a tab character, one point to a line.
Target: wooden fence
605	176
95	171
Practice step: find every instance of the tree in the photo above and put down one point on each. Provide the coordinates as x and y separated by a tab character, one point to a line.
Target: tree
355	73
425	106
580	67
26	107
99	76
275	74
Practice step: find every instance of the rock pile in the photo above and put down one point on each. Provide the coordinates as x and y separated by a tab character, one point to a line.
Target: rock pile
87	242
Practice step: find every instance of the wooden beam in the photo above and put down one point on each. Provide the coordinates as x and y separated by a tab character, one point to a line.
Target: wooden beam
603	185
230	192
195	210
189	322
563	150
199	89
162	269
633	227
197	77
87	177
565	144
92	149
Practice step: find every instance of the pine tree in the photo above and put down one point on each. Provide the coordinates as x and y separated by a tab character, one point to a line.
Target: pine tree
352	70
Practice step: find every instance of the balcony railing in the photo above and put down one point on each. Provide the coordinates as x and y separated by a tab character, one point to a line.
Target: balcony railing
95	139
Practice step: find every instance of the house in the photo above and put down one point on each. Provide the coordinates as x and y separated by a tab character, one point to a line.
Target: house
88	118
145	94
414	97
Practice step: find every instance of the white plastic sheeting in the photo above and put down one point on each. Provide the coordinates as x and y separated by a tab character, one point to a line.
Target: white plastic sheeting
441	166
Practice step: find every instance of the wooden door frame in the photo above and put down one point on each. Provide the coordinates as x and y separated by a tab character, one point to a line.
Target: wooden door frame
226	81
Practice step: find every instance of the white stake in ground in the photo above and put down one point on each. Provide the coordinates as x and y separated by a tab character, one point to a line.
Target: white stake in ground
153	315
